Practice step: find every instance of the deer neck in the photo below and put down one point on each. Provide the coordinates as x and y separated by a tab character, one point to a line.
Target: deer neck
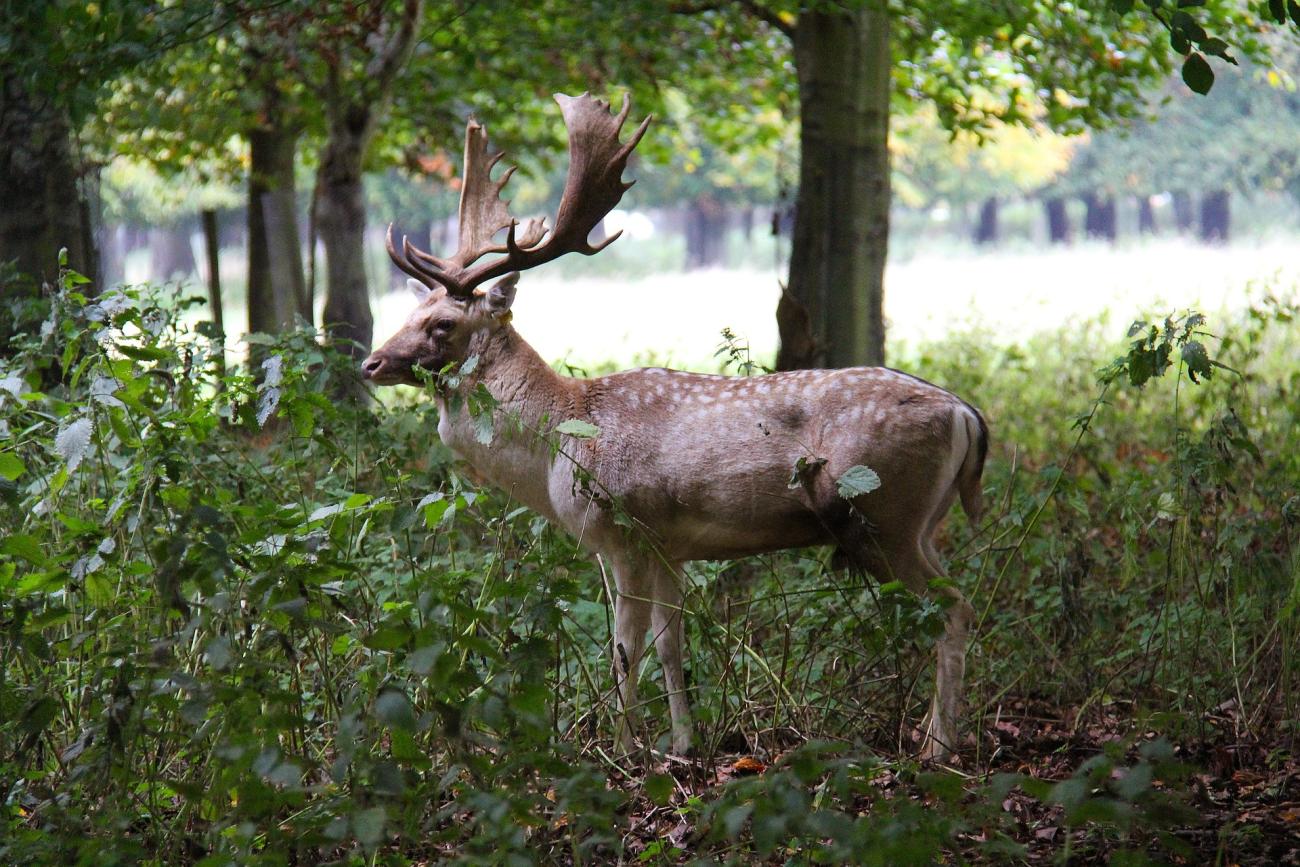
529	398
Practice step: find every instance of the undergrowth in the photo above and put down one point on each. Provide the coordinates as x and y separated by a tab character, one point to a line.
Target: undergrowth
244	623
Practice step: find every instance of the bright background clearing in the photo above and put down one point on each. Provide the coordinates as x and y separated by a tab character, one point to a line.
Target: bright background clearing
677	318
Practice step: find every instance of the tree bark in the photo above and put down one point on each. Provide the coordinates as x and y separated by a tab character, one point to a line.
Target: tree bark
706	224
44	201
171	257
212	251
1099	218
1215	217
1146	216
341	221
832	312
1184	212
1058	220
986	227
275	278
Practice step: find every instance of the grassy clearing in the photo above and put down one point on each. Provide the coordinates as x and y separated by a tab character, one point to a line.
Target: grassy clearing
314	641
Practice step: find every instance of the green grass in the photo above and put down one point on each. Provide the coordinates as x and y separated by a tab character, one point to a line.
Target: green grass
316	641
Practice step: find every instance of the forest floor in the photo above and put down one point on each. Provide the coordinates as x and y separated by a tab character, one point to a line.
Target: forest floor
1246	795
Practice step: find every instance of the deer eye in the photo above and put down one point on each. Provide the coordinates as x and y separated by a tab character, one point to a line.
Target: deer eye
444	325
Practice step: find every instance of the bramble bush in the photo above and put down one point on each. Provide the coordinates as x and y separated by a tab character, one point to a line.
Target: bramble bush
244	623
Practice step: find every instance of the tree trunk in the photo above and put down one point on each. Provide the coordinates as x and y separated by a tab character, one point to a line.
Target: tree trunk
706	235
1215	217
1184	212
1099	218
275	278
832	313
341	221
986	227
44	201
1058	221
1146	216
171	256
212	251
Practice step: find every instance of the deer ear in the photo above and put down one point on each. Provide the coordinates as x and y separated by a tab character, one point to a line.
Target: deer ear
502	294
418	289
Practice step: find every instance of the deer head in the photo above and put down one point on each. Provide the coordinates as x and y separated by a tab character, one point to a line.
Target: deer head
452	310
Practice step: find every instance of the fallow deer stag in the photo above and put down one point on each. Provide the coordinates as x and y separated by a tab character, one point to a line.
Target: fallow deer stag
699	464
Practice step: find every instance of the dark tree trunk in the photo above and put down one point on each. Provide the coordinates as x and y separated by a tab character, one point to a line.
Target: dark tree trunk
1058	220
212	252
1146	216
1215	217
171	257
46	200
341	221
1099	218
1184	212
706	224
832	312
986	227
275	278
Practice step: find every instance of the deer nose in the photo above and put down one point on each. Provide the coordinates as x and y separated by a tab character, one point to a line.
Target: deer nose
371	366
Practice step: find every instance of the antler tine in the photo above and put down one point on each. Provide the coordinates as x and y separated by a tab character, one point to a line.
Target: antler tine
592	189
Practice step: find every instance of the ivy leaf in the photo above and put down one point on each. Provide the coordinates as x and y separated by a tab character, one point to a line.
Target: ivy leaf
576	427
856	481
1197	73
73	442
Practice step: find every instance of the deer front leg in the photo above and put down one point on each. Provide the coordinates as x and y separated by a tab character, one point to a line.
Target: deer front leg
667	624
631	619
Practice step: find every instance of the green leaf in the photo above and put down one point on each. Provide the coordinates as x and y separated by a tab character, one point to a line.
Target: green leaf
659	789
1197	73
393	708
575	427
368	825
1197	361
387	638
10	466
24	547
857	480
219	653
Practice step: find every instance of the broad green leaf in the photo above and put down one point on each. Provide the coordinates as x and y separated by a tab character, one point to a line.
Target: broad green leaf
576	427
10	466
393	708
1197	73
368	825
857	480
659	789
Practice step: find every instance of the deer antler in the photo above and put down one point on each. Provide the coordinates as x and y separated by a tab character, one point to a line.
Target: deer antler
593	187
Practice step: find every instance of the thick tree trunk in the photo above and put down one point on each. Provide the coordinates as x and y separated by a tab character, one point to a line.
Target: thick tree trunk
171	257
1146	216
275	278
832	313
45	201
706	233
1058	220
1184	212
1215	217
341	221
986	227
1099	218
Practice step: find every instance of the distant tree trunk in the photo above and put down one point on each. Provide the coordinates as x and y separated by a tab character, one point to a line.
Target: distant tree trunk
1215	217
706	224
832	312
341	221
212	252
275	278
1058	220
171	257
44	194
1099	217
1184	212
747	223
1146	216
986	226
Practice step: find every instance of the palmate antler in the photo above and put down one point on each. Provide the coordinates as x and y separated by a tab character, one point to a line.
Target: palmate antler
593	187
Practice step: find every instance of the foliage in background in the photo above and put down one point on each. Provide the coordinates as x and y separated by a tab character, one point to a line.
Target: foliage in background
243	624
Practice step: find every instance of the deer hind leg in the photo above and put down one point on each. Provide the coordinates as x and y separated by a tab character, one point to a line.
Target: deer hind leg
912	559
667	624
